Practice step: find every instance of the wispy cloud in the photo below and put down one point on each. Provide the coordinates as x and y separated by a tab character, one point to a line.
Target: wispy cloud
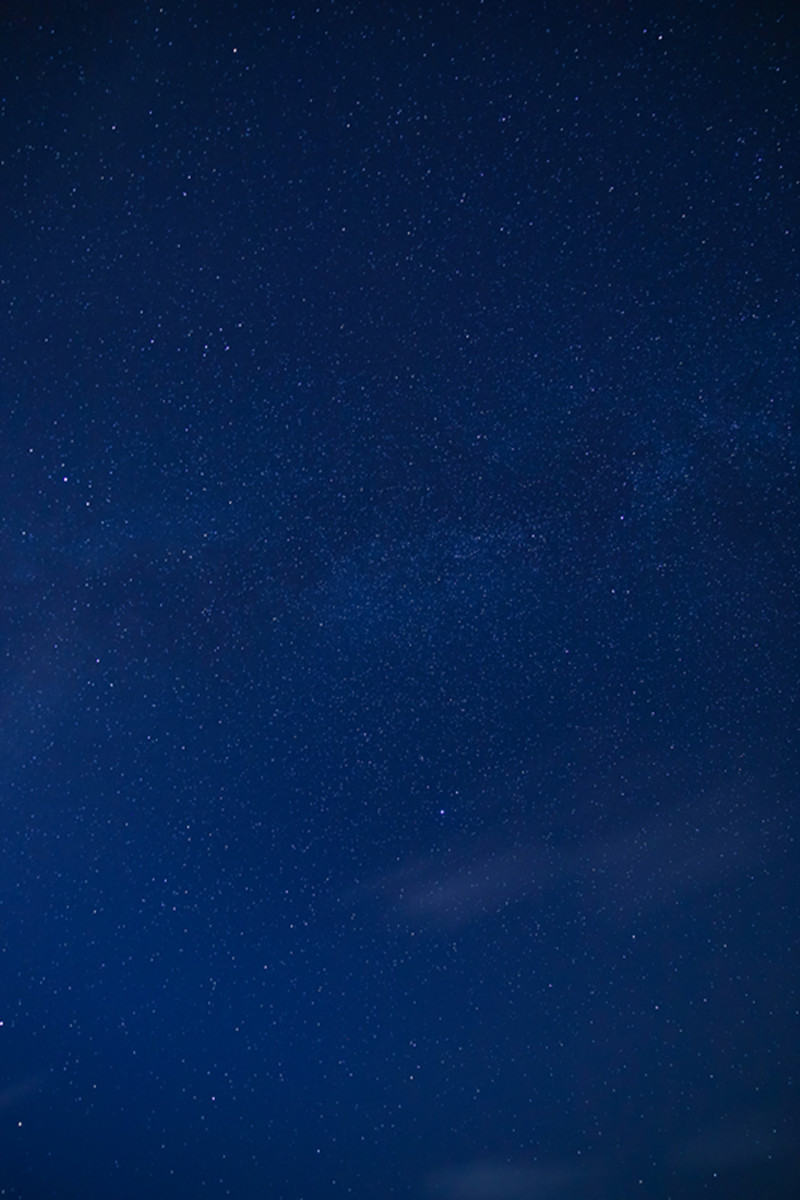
498	1180
12	1094
672	854
750	1138
474	880
675	853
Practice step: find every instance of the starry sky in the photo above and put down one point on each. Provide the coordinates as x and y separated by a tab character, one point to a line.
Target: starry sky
399	413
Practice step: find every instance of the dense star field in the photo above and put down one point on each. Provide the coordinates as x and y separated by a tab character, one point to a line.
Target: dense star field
399	431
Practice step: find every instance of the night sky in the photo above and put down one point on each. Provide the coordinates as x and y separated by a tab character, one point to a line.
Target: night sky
399	432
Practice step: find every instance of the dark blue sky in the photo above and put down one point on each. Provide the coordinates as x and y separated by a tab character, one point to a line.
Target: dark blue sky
399	601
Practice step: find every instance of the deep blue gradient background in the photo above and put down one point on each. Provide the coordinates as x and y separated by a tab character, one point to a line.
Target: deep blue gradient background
398	600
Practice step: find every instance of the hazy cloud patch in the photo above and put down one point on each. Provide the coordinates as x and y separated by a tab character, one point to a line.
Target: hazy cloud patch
674	853
736	1141
495	1180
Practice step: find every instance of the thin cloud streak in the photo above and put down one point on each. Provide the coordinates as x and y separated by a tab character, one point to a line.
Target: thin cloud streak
494	1180
674	854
